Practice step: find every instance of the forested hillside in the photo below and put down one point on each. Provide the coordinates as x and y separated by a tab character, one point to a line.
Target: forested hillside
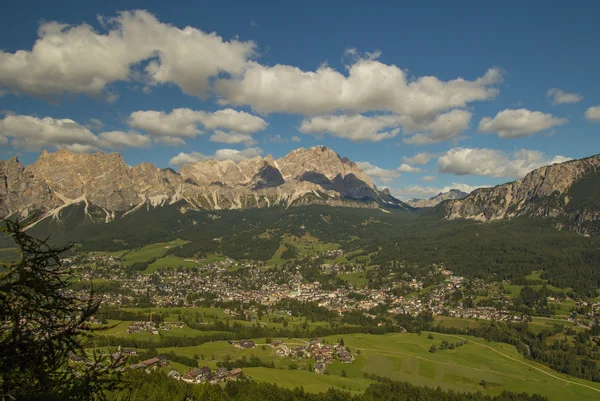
507	249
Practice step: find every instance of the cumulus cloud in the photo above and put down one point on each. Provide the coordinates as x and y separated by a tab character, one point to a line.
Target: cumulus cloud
79	60
593	114
419	192
356	128
443	127
519	123
560	97
369	86
419	158
237	155
120	140
378	173
276	139
32	133
183	122
179	123
187	158
428	178
407	168
169	141
232	137
494	163
94	124
221	154
296	138
385	175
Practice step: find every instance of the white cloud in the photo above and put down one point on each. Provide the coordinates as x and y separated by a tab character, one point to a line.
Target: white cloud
232	137
94	124
183	123
120	140
419	192
169	141
230	119
378	173
276	139
385	175
419	158
369	86
593	114
32	134
186	158
179	123
560	97
407	168
237	155
443	127
79	60
356	128
221	154
519	123
493	163
296	138
428	178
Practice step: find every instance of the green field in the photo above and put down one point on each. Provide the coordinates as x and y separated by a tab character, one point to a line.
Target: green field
306	245
119	329
169	262
406	357
457	322
357	279
150	252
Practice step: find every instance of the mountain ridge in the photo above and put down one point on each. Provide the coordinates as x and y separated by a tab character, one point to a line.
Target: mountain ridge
568	191
435	200
56	180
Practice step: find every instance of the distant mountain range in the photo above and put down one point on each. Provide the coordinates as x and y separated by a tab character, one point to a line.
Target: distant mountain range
442	196
568	192
106	186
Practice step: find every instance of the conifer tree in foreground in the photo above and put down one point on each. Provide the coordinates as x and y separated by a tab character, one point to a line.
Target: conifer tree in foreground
43	329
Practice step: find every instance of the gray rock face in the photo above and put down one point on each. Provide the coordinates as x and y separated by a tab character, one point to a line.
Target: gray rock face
439	198
305	176
567	190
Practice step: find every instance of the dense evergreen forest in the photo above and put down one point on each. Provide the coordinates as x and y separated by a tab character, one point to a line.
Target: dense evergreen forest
502	250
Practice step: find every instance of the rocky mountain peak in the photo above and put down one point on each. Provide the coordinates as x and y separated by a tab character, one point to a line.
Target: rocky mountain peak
433	201
57	180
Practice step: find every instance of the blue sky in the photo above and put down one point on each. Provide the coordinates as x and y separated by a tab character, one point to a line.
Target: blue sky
377	82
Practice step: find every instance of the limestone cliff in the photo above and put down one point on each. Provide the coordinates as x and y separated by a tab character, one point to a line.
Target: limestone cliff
568	191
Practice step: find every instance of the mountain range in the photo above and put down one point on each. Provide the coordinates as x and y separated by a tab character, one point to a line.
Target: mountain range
106	185
106	188
439	198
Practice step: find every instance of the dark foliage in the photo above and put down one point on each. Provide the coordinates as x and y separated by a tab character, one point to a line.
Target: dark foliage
43	327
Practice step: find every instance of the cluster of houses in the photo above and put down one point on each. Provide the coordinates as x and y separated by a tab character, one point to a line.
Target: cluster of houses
243	344
152	363
142	327
206	375
196	375
322	354
180	288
